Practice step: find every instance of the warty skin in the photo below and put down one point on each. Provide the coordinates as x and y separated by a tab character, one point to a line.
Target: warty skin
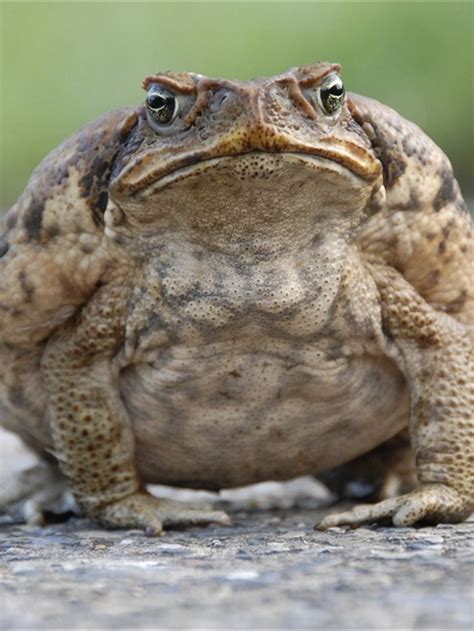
258	288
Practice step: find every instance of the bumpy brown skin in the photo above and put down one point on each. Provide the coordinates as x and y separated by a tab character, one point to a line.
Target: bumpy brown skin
257	290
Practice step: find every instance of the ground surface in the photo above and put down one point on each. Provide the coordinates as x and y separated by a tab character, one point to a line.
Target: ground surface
270	570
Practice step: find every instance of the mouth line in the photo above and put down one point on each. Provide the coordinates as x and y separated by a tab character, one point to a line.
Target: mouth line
189	164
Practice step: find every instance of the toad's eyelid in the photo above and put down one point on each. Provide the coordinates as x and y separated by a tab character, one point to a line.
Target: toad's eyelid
331	80
157	88
181	97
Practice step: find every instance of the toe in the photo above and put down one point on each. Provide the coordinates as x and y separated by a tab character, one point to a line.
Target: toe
434	503
141	510
410	512
179	515
362	514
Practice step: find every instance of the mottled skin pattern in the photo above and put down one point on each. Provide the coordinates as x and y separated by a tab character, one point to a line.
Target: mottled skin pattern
255	291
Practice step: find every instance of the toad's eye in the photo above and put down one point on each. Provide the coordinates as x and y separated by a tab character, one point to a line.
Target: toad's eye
161	104
331	93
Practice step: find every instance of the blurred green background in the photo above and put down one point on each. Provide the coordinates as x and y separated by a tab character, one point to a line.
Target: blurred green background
65	63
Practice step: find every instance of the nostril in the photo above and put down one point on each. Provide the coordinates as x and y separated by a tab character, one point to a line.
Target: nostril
220	98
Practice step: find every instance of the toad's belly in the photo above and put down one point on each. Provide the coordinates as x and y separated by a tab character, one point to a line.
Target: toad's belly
215	419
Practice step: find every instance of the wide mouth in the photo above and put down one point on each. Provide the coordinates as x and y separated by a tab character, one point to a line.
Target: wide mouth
251	165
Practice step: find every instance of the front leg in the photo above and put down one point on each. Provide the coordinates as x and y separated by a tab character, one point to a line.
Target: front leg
92	434
437	357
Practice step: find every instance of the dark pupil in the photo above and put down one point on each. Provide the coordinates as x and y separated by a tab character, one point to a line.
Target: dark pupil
162	106
336	90
331	96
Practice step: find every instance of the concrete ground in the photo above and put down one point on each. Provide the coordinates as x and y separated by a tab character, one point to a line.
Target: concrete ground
270	570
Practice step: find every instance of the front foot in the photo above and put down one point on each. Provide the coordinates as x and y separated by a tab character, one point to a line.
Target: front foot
141	510
431	503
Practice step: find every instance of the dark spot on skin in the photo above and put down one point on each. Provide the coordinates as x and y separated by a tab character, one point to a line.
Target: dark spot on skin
412	147
225	394
131	145
26	286
86	248
387	150
193	293
99	167
155	323
86	183
394	169
442	247
427	456
96	155
431	235
198	255
433	277
4	247
446	230
318	239
355	128
102	200
334	352
34	218
52	231
94	188
447	191
235	374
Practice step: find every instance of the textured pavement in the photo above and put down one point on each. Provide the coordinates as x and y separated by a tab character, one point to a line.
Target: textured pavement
269	570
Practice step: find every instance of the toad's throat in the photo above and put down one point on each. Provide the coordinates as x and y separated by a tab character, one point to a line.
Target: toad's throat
158	173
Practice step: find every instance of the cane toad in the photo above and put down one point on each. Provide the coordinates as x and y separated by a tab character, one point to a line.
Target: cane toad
241	281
